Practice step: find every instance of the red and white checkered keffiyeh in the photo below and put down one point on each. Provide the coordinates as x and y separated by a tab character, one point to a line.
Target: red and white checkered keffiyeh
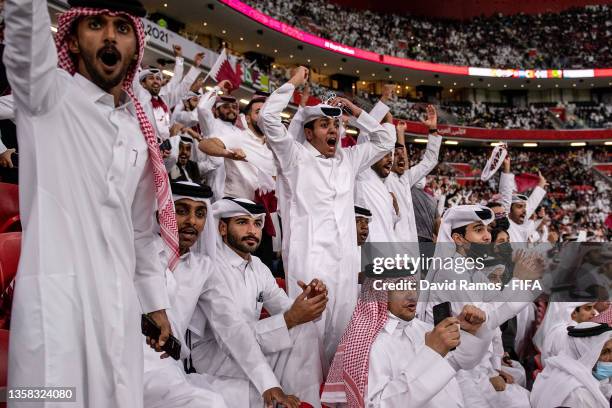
348	375
166	214
604	317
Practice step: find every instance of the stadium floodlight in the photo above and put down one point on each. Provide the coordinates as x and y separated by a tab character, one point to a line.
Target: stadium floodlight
285	115
420	140
350	132
244	102
496	143
529	144
451	142
577	144
168	73
608	143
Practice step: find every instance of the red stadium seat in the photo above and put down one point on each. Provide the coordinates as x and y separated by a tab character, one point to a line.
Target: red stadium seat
4	341
9	208
10	248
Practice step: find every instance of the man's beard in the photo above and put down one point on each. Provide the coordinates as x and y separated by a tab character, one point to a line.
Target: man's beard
98	78
237	243
225	118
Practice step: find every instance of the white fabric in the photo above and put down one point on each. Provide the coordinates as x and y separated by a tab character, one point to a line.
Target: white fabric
184	117
171	94
317	210
405	373
241	178
551	335
494	163
292	354
519	233
567	379
372	193
405	228
214	127
476	386
88	246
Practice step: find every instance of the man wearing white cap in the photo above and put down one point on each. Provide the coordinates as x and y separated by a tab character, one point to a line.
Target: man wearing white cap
287	338
518	206
463	235
197	283
550	336
315	190
158	100
572	379
186	113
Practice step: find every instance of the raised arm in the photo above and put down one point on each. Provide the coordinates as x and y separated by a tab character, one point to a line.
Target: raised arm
30	56
506	185
278	139
380	138
536	196
171	90
184	85
430	158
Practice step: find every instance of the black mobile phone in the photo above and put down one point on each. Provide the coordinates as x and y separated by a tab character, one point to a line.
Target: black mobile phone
441	311
165	145
151	329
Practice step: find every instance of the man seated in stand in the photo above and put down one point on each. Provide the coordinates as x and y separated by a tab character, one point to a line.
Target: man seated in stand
288	338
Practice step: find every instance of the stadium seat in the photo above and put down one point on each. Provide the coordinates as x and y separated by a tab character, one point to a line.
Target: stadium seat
9	208
4	343
10	248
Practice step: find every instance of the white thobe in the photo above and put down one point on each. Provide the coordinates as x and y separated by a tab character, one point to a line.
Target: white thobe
498	306
6	112
165	382
241	177
404	372
478	392
558	386
372	193
519	233
317	210
405	228
171	94
184	117
214	127
292	354
199	287
88	255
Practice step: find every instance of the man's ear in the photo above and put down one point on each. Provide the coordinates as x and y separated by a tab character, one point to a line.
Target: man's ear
73	45
309	134
222	228
458	239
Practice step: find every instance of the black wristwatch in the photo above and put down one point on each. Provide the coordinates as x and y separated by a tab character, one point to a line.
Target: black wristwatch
432	131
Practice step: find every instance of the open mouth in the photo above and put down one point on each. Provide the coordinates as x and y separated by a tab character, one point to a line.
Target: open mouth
331	142
109	56
411	307
189	233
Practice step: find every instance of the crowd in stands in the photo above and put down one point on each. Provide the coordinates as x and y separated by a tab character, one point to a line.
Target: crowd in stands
183	247
569	207
576	38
